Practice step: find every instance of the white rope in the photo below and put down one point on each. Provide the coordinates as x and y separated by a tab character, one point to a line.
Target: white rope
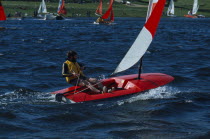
87	88
77	82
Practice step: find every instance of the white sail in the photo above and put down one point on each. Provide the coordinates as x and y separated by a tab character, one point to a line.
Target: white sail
42	7
143	40
170	8
195	7
135	53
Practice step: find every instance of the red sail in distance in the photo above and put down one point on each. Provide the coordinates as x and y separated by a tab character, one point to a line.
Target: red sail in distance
2	13
108	12
62	9
99	8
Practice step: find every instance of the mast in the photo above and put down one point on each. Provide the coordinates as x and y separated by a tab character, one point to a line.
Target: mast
140	68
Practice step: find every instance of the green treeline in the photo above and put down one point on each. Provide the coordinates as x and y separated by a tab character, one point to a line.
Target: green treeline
66	1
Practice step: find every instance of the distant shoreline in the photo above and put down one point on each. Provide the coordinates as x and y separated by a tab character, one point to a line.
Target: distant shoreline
88	9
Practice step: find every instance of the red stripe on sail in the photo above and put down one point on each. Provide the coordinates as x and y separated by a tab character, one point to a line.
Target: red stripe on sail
154	19
108	12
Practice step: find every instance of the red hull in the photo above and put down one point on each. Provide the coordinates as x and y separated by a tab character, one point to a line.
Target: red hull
190	16
125	85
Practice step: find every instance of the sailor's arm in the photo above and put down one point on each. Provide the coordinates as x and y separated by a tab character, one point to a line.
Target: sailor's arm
65	71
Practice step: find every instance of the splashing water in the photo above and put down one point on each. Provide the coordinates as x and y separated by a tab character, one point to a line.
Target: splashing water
163	92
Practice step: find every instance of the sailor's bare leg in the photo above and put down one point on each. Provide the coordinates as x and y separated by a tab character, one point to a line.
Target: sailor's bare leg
89	85
95	81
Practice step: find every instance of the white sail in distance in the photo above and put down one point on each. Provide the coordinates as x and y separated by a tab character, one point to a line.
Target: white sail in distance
195	7
42	7
145	37
170	8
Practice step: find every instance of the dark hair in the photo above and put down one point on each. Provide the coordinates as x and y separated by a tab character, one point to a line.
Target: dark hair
71	53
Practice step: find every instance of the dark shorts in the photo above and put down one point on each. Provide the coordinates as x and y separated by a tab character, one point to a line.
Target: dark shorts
76	81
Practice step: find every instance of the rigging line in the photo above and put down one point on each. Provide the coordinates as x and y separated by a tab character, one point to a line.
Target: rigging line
77	83
87	88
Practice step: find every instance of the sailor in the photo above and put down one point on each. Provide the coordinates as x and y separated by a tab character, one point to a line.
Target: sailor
100	20
190	12
73	72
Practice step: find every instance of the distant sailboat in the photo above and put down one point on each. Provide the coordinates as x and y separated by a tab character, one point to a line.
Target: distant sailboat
170	11
193	13
108	14
17	15
42	9
61	10
2	13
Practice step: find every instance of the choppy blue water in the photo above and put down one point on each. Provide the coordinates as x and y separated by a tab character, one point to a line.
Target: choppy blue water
31	56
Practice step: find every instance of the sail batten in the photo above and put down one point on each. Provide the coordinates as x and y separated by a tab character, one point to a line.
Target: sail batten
145	37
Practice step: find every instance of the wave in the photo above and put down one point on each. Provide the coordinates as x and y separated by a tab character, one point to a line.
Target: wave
25	96
7	128
203	71
164	92
7	114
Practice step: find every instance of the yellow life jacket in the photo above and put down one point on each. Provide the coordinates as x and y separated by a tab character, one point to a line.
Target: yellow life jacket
73	67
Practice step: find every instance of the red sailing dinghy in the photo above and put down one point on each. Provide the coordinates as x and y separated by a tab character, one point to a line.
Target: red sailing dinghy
2	13
108	14
128	84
